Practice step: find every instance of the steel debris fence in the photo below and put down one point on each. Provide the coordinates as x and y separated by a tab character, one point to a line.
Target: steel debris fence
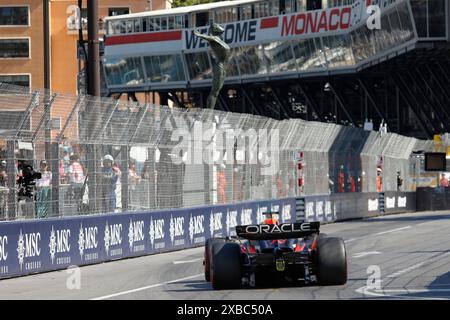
100	155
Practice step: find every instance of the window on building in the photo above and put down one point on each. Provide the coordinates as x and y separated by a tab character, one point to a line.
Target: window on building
130	26
14	48
178	22
246	12
164	23
313	4
118	11
171	23
301	5
419	9
137	25
201	19
436	18
14	16
154	24
17	80
429	16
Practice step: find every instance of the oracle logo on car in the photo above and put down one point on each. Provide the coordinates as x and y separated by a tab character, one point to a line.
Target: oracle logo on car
286	227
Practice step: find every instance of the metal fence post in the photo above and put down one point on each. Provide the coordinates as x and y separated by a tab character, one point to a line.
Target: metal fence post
93	171
54	169
124	160
11	212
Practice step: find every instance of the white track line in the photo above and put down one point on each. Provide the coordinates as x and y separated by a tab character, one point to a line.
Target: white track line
403	271
396	293
393	230
187	261
146	287
364	254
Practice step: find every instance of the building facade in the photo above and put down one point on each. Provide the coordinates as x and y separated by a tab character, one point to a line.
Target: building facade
22	39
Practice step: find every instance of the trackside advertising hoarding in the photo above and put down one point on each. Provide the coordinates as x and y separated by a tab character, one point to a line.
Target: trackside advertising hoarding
56	243
346	206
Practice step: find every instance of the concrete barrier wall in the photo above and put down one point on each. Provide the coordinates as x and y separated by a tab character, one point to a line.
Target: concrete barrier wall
347	206
433	199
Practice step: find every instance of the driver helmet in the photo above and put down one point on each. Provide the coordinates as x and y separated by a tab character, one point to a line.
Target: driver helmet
270	217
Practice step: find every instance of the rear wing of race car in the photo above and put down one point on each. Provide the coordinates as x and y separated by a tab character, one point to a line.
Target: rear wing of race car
277	231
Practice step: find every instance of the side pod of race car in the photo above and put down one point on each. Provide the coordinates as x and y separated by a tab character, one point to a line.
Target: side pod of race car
275	253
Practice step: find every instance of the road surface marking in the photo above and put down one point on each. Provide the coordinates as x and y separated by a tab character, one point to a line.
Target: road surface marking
418	265
376	234
146	287
393	230
363	254
396	293
433	221
403	271
187	261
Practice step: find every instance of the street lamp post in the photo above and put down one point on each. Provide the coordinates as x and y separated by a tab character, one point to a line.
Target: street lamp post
93	49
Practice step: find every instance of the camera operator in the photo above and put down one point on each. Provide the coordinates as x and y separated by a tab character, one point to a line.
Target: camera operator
26	181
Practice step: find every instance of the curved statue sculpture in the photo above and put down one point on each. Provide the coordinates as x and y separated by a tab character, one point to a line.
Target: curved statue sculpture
221	53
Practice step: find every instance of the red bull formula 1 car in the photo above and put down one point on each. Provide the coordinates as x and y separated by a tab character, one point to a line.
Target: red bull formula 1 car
275	253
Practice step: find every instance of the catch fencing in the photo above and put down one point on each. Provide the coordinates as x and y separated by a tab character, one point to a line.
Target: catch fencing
166	157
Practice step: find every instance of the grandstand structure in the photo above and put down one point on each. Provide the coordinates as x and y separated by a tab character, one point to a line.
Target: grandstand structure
313	60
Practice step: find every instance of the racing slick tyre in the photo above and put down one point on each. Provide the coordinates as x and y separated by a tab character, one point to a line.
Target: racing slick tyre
331	261
208	253
226	266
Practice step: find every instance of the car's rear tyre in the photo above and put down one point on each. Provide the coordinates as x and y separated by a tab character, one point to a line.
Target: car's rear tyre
207	256
331	261
226	266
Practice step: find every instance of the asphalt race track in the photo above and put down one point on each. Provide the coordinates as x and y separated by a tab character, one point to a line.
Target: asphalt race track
411	252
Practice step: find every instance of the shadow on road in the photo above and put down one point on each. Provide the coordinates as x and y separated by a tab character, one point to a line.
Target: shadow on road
193	285
202	285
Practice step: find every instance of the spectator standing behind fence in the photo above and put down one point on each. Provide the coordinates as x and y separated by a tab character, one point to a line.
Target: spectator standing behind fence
133	177
43	191
76	179
379	180
399	181
222	184
110	179
352	184
341	179
3	189
147	170
118	188
66	161
444	181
